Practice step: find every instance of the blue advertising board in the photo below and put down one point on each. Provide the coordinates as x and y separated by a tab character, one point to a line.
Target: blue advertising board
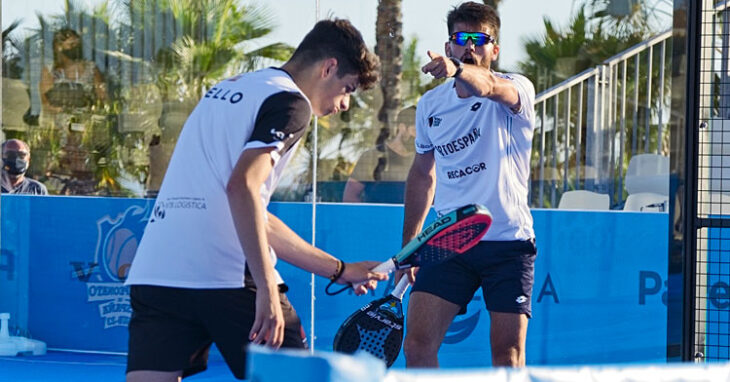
599	295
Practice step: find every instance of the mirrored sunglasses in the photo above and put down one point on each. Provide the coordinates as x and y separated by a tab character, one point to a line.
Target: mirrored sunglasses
477	38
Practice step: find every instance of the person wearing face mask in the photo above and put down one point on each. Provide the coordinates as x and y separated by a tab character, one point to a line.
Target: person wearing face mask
473	143
16	158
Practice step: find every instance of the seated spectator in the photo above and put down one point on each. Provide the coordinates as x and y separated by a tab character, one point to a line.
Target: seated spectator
16	158
380	173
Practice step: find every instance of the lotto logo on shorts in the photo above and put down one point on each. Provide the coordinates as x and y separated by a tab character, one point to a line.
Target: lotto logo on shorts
460	173
521	299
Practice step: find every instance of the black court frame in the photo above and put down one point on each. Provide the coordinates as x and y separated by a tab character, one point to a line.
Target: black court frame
699	242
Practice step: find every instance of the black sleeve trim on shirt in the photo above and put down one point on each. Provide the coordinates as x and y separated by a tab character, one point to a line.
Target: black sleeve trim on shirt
283	117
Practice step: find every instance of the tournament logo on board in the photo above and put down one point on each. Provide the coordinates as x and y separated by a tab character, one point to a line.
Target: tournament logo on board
116	245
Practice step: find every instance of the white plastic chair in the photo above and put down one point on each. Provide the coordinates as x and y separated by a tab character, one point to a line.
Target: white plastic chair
646	202
648	173
584	200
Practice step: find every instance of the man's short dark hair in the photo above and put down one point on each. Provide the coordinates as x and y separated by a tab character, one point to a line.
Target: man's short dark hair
472	13
339	39
406	116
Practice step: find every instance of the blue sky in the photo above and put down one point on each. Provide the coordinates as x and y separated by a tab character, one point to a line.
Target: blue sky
422	18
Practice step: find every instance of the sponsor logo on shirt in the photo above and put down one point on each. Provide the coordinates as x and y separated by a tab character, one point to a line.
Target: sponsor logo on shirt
424	147
466	171
434	121
476	106
224	95
186	203
280	135
459	144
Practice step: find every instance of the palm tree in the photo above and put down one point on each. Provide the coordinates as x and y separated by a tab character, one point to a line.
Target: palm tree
559	54
212	39
389	47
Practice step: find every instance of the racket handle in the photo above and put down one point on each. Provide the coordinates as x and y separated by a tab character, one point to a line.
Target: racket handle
400	290
386	266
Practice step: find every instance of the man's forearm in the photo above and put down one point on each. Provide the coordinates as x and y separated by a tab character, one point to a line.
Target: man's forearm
294	250
248	218
418	199
481	82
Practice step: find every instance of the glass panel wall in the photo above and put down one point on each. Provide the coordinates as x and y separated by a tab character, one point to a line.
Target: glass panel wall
100	89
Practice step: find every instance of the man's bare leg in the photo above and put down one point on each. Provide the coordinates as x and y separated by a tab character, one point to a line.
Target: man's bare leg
428	318
508	333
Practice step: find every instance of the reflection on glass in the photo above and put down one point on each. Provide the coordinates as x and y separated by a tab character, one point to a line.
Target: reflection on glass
380	172
101	92
73	92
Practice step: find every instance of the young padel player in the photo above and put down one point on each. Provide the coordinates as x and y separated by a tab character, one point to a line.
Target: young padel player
204	271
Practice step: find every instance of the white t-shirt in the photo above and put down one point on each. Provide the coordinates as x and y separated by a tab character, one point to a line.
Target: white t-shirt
482	153
190	240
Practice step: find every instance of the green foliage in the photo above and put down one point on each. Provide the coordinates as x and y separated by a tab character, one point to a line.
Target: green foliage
148	81
214	42
12	49
561	53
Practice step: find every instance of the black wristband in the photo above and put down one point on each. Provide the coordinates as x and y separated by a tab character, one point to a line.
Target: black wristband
340	270
459	67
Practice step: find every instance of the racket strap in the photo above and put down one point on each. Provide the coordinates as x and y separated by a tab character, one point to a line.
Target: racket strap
338	291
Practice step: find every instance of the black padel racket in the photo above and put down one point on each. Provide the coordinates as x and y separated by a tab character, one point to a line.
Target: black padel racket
451	234
376	328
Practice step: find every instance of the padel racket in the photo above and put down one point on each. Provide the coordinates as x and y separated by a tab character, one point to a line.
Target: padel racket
451	234
376	328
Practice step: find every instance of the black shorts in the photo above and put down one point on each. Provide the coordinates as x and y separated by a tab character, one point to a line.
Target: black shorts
504	269
172	328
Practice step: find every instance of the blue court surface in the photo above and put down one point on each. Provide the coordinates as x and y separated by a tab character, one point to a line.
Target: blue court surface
65	366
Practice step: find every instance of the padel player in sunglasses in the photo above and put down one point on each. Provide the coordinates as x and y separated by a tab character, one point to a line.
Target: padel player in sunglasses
473	142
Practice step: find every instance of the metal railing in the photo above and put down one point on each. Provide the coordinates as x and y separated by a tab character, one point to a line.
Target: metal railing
609	114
